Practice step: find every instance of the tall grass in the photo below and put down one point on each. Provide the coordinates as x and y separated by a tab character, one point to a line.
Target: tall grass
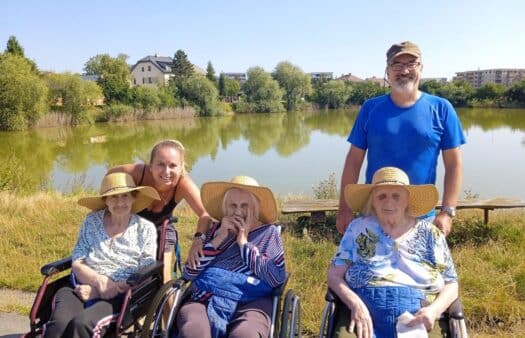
40	228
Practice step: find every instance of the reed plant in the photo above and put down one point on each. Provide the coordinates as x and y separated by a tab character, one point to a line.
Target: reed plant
42	227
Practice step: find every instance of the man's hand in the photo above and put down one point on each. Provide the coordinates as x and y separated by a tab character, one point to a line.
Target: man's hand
343	218
444	222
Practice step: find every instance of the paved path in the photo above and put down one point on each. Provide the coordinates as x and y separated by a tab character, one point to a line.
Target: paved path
13	324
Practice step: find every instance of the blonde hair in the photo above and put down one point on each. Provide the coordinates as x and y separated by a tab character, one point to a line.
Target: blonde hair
170	144
255	201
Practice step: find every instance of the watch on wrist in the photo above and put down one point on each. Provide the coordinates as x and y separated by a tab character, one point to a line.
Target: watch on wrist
199	235
451	211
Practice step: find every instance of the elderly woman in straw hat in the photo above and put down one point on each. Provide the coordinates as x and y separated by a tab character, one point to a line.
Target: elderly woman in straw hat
389	261
243	261
112	244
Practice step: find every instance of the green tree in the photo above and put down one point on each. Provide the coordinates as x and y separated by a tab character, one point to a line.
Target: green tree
182	67
13	47
231	88
294	83
114	76
332	94
362	91
210	73
201	94
516	93
262	93
222	84
23	94
432	87
490	91
459	92
146	98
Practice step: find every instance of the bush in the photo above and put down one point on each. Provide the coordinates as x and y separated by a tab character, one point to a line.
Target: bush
115	112
23	95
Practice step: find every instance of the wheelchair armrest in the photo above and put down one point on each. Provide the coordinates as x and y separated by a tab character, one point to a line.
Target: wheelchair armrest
56	267
455	310
144	273
330	296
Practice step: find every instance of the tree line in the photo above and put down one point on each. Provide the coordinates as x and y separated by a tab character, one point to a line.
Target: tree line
27	94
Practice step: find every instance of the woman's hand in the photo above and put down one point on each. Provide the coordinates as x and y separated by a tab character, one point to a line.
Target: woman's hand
86	292
220	235
195	253
107	288
426	315
360	320
239	227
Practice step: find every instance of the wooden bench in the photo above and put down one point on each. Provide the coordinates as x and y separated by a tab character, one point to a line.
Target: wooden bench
318	208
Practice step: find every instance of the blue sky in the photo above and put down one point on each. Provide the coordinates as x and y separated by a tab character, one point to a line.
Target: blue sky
338	36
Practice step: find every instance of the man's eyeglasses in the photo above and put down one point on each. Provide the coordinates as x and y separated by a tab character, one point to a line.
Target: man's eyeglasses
397	66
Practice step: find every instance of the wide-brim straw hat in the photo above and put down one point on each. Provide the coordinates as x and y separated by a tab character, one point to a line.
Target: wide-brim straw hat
422	198
212	194
119	183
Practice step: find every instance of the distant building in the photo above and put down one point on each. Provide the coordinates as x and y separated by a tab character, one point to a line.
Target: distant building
380	81
241	77
153	70
93	78
503	76
349	78
442	80
322	75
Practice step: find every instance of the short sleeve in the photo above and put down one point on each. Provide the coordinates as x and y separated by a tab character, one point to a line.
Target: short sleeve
81	249
453	135
343	255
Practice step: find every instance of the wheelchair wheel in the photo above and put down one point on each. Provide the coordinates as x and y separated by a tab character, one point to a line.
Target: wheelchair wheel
327	321
291	316
160	316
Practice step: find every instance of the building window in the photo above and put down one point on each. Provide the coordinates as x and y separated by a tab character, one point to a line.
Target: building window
134	81
149	80
142	69
143	80
149	68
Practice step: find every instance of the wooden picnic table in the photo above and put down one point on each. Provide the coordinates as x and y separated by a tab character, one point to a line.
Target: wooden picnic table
318	208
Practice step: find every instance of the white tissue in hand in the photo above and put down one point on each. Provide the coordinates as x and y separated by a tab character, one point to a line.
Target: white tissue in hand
404	331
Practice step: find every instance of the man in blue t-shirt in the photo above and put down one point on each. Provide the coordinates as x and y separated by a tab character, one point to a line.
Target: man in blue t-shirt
406	129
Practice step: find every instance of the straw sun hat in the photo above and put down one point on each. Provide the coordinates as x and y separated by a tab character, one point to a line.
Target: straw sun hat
422	198
119	183
212	194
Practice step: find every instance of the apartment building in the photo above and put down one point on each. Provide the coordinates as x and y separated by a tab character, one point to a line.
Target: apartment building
503	76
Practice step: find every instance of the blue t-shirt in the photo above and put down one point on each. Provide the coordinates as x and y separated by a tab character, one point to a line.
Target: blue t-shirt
408	138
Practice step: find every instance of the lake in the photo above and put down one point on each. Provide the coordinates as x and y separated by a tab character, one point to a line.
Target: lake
290	153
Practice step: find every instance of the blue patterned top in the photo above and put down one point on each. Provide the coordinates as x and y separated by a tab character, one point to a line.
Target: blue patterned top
420	258
262	257
120	257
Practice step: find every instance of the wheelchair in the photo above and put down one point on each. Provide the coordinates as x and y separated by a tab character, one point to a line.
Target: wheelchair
143	286
160	319
453	318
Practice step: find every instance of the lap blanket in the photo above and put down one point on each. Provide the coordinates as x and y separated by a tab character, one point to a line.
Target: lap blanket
386	304
228	289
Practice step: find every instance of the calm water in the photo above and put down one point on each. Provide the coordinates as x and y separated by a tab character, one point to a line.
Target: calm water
288	152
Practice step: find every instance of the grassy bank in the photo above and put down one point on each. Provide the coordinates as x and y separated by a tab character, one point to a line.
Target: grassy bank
39	228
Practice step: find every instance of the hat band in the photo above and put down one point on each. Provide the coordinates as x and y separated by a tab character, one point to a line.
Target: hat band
117	187
391	181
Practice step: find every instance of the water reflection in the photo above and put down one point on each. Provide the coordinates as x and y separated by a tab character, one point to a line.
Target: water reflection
43	153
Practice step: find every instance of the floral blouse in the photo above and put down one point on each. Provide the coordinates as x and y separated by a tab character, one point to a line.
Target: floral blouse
120	257
420	258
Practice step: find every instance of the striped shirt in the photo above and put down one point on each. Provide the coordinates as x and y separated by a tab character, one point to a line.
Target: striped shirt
262	257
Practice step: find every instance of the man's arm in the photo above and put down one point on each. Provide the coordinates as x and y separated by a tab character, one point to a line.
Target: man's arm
353	163
453	163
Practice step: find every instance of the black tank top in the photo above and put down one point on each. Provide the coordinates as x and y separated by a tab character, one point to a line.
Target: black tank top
157	217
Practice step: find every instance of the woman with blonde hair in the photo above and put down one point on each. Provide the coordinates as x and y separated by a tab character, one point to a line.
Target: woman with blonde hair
167	174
